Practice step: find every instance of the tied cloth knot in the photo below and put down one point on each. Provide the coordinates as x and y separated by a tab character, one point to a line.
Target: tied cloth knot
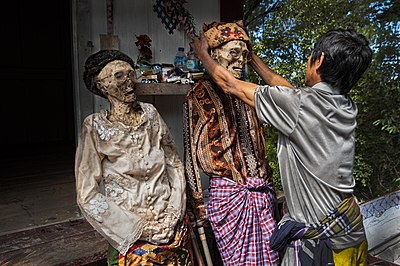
258	184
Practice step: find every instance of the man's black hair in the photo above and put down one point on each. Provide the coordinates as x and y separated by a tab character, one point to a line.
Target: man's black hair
96	62
346	57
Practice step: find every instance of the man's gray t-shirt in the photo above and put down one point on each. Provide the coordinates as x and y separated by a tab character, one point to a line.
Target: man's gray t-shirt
315	149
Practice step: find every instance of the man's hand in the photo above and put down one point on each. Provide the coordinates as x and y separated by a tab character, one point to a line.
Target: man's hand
200	46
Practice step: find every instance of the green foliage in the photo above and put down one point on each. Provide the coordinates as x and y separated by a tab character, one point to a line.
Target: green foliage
271	136
283	34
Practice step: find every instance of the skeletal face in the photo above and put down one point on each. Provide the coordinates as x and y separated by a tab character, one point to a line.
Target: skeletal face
116	80
232	56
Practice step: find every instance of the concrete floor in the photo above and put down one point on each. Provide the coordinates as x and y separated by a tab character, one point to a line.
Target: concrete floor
36	190
40	222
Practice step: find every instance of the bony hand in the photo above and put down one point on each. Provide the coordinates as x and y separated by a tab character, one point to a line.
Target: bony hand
153	232
162	229
169	219
163	234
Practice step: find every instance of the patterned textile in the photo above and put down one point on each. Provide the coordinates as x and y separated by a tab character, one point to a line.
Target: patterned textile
242	220
344	219
223	136
220	33
176	253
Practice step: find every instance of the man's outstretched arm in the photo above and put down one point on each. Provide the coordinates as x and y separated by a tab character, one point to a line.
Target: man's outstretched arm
225	80
269	76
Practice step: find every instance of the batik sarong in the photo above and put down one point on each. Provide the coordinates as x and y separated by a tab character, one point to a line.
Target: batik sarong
242	220
176	253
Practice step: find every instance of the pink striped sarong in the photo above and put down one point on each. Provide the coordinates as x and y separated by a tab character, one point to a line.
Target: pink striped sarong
241	217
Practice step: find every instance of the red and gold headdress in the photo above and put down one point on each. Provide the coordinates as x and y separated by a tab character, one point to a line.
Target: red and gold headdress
220	33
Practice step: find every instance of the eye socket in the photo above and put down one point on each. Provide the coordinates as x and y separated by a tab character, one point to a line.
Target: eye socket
234	52
119	75
122	76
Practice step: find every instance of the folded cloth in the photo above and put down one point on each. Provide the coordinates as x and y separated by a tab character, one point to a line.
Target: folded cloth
344	219
286	230
311	242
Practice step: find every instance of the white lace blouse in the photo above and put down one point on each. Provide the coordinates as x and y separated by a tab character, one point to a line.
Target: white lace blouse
130	180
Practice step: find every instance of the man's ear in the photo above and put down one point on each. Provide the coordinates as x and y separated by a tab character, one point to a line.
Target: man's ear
319	61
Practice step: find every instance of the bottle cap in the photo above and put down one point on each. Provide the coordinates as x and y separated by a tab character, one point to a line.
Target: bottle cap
181	49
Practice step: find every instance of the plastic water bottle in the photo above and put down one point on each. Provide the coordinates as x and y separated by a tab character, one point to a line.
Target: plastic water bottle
192	62
180	58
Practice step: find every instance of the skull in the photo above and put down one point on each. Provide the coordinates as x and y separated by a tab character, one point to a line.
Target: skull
232	55
116	80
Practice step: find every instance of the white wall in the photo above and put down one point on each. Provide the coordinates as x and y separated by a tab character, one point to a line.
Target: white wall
136	17
132	17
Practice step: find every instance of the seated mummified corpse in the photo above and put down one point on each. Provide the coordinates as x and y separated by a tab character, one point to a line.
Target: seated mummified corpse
129	178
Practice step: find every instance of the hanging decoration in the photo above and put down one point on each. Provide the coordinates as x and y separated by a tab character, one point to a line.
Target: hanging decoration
174	15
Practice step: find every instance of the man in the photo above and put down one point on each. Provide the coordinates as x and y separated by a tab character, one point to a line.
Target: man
315	148
130	180
225	139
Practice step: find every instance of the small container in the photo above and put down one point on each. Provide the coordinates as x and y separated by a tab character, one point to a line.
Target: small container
192	63
180	58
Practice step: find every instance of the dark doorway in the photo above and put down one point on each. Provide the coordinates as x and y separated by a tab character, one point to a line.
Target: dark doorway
36	162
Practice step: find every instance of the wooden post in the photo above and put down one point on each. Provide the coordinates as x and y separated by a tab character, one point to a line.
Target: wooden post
109	40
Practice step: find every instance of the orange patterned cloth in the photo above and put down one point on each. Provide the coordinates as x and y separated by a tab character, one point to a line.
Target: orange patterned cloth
220	33
173	254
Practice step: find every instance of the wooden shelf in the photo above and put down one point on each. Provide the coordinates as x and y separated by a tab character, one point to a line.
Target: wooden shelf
162	88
